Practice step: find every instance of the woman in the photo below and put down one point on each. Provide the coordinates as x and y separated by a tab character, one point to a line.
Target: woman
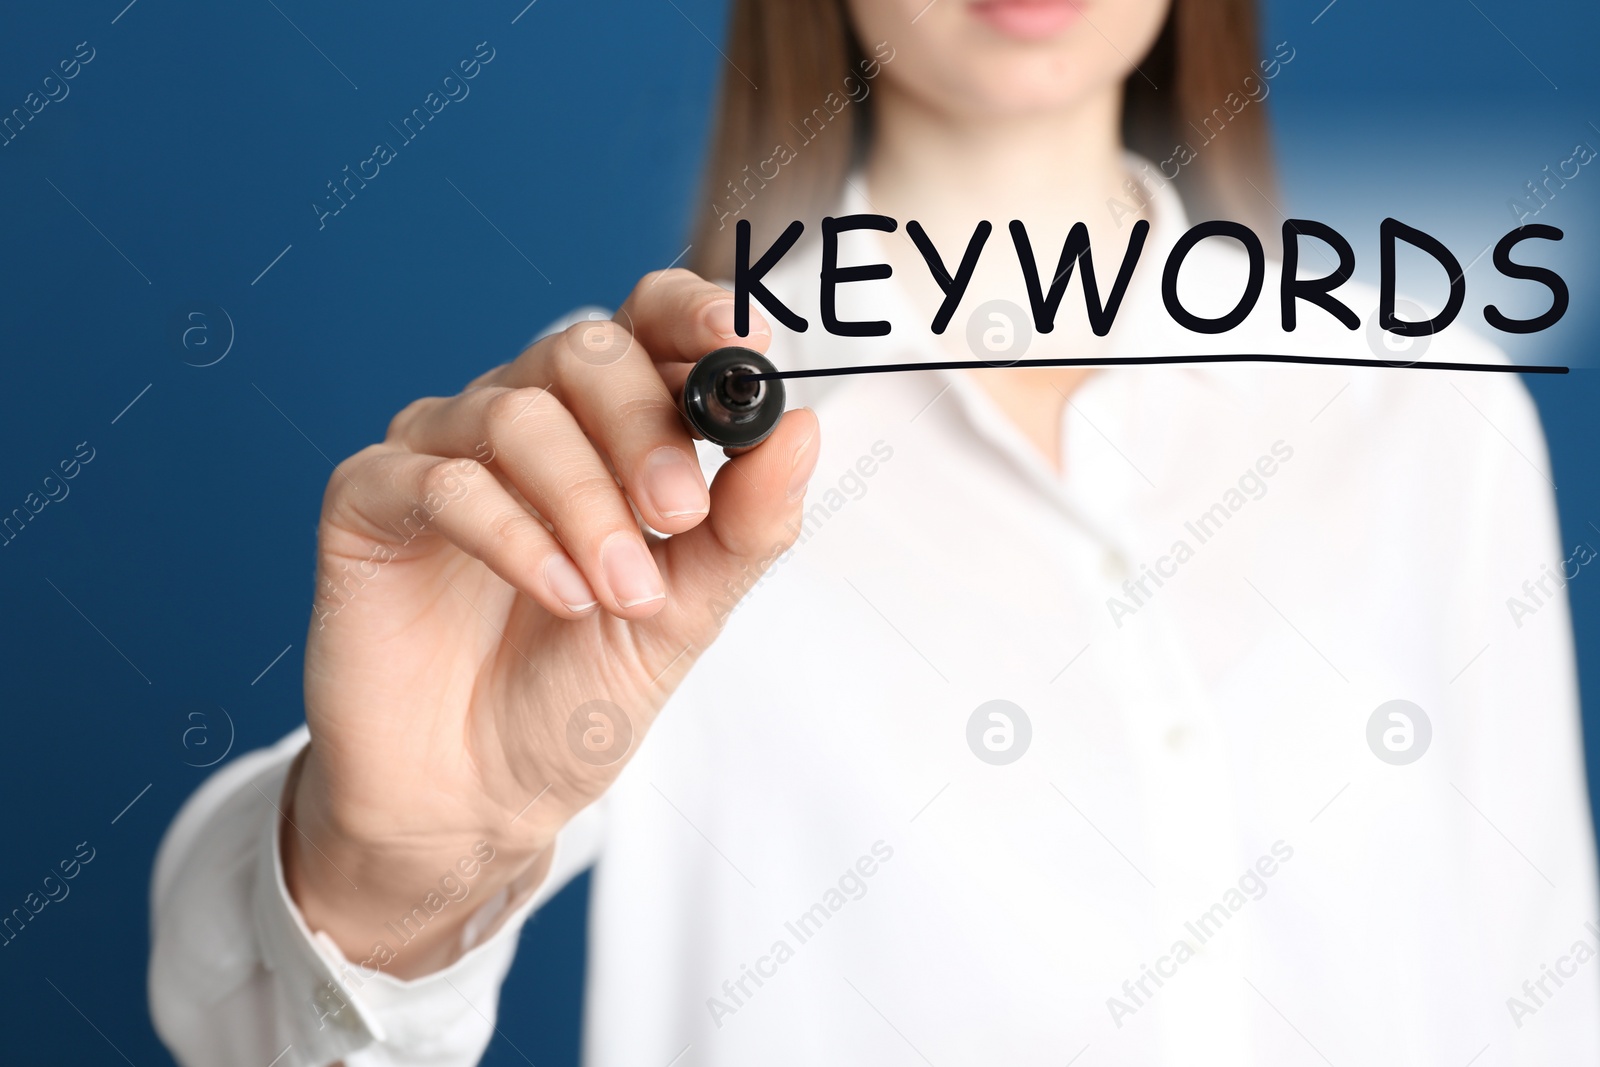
1016	716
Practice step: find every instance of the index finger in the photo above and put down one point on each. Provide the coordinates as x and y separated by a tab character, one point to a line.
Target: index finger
678	317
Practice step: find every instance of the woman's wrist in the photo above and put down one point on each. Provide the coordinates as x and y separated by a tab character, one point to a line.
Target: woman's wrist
398	906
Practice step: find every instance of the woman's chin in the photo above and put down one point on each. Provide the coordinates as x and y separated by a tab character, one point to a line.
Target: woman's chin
1023	91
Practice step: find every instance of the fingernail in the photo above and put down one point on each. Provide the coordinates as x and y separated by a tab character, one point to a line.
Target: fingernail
719	320
673	484
567	583
805	462
630	571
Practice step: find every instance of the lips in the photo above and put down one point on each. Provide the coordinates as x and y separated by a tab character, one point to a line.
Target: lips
1027	20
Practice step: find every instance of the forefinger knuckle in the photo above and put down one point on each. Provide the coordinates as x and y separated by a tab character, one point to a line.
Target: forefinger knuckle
590	344
672	276
448	479
510	414
406	419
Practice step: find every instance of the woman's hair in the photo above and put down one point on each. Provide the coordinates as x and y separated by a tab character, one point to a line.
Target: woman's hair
783	152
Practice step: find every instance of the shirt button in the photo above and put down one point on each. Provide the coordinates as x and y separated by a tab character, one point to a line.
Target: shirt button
1178	737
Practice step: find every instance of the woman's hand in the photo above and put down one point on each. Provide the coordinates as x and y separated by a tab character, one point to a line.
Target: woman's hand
457	636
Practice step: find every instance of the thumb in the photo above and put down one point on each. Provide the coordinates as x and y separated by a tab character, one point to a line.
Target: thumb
756	503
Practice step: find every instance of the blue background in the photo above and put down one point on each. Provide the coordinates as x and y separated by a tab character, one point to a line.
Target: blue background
185	159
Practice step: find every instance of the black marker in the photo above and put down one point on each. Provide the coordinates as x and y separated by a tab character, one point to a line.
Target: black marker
726	402
734	396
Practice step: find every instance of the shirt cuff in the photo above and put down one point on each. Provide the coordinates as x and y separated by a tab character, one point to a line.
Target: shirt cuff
352	1010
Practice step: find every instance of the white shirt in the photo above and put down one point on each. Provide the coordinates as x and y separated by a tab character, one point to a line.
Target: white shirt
1197	859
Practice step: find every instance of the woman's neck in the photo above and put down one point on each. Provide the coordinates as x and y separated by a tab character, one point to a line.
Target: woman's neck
1048	169
1044	167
